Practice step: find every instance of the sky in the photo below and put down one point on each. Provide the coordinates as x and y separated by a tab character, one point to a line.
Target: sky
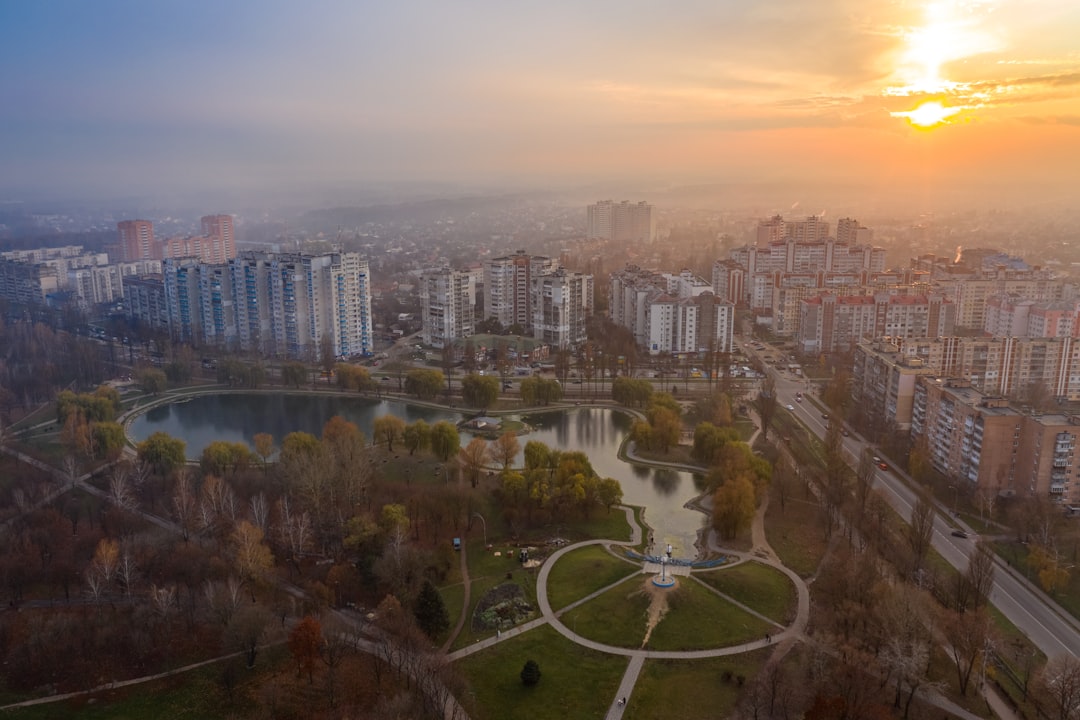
129	96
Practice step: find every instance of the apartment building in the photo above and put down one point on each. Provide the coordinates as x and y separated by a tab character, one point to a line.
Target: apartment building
971	294
562	302
690	325
883	384
1014	367
447	301
282	304
507	286
831	323
144	301
1013	316
621	222
982	441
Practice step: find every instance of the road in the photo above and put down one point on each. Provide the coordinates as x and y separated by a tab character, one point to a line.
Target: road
1052	630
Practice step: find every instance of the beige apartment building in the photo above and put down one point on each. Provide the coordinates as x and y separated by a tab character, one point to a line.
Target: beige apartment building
883	385
980	440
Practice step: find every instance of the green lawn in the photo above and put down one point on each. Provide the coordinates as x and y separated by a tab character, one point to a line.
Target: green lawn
585	571
691	688
761	587
453	597
699	619
794	531
615	618
696	619
575	683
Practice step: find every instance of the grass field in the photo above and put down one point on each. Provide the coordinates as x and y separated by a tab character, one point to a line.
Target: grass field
690	688
761	587
576	683
584	571
794	531
696	619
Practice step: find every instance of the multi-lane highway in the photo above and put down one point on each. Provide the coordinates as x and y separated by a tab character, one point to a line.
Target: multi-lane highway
1052	630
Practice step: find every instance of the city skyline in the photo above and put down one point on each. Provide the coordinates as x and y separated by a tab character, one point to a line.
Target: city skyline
894	97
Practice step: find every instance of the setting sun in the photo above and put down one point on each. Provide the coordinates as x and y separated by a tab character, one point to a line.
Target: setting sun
928	114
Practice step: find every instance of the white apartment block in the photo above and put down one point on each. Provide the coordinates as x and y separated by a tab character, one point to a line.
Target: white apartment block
621	222
690	325
95	285
562	302
447	301
282	304
507	285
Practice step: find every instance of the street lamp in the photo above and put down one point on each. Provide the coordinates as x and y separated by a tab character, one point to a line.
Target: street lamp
484	523
956	499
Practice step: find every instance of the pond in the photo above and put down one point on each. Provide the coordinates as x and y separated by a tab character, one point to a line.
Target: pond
598	432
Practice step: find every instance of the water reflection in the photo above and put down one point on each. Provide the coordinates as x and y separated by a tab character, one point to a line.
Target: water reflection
598	432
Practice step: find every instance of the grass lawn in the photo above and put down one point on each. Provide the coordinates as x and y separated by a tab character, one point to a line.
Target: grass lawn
761	587
795	531
584	571
576	683
453	597
699	619
615	618
690	688
696	619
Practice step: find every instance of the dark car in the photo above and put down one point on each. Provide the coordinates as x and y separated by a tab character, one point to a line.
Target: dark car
959	534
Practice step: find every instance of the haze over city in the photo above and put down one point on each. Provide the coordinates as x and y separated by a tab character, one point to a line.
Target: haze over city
910	99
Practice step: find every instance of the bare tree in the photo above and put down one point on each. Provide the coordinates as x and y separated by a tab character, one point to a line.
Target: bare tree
127	569
1059	683
260	511
185	508
120	490
766	404
864	479
975	584
921	530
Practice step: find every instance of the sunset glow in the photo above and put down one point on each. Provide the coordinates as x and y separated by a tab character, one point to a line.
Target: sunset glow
456	93
928	114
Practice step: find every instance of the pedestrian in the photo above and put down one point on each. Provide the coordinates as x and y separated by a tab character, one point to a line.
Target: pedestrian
498	633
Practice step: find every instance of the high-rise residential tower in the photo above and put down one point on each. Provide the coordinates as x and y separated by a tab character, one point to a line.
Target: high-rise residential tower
137	240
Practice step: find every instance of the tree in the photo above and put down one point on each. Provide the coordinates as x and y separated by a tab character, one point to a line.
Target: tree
249	552
665	429
264	447
967	637
305	640
766	405
611	493
293	373
473	458
445	440
108	440
733	506
388	428
977	582
424	384
505	448
540	391
530	674
921	530
246	629
1059	684
430	611
837	393
163	453
152	381
417	436
480	391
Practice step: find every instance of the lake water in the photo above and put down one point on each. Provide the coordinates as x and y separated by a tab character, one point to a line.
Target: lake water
598	432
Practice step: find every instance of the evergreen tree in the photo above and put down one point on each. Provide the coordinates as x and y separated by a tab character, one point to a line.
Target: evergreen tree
430	611
530	674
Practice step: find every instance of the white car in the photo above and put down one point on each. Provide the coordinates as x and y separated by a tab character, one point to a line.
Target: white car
790	407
